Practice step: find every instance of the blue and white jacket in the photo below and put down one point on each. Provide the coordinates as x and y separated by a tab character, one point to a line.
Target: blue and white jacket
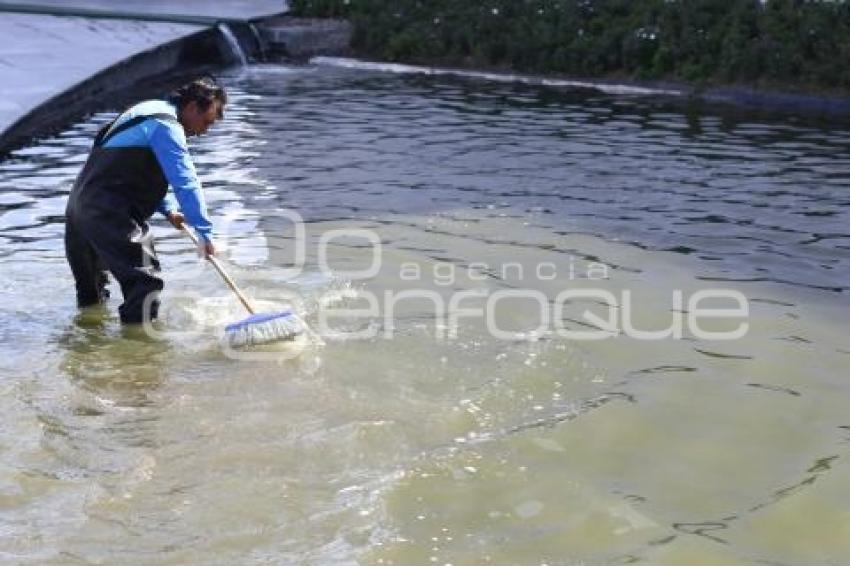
167	140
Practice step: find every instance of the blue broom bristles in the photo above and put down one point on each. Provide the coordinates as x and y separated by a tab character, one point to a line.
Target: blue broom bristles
263	328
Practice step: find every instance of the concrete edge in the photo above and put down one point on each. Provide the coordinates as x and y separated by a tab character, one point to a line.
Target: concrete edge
148	73
757	100
299	39
778	101
100	13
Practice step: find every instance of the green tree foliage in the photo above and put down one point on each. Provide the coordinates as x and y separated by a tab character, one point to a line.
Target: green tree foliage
797	42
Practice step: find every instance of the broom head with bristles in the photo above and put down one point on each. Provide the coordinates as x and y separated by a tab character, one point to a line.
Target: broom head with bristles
263	328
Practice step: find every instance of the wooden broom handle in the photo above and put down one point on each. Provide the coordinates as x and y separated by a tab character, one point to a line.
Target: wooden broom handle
218	267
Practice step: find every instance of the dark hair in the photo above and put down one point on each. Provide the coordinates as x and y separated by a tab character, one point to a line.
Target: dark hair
202	91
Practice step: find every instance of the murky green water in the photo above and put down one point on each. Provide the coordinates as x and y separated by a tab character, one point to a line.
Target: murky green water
430	440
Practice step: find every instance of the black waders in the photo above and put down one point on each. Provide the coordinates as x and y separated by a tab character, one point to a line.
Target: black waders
106	224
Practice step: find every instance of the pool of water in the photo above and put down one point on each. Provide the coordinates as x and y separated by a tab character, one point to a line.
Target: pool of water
406	430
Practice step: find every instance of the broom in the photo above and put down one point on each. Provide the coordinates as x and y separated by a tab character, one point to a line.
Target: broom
259	328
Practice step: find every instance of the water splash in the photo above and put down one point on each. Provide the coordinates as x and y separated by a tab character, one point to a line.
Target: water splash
235	49
261	44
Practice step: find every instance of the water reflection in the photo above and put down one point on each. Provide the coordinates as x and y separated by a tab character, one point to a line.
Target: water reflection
119	365
634	170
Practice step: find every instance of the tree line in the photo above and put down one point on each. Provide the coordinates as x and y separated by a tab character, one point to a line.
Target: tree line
793	43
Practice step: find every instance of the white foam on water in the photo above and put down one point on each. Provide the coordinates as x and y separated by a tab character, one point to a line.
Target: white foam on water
497	77
197	321
275	69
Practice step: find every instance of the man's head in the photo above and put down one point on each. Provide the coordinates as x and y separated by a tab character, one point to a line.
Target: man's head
199	104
